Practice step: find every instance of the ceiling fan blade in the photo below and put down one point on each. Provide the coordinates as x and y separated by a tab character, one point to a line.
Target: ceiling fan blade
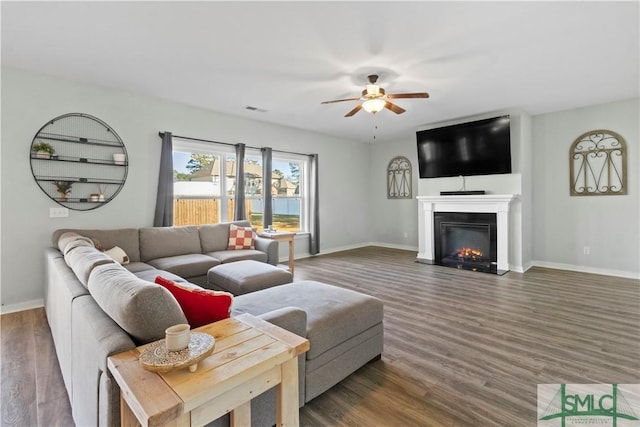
355	110
408	95
394	108
340	100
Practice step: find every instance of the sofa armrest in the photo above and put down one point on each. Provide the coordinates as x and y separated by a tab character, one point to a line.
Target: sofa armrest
95	336
292	319
270	247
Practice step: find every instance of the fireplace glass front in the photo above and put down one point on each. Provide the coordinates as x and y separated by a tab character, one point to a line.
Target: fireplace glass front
466	240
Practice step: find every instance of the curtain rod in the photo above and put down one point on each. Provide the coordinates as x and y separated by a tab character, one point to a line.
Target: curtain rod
161	134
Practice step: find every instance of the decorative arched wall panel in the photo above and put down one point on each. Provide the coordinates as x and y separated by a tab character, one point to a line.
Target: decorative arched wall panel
598	164
399	178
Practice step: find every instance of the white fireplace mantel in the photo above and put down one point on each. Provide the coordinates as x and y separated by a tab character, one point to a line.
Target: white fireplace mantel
485	203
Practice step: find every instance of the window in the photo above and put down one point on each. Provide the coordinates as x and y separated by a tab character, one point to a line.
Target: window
289	193
205	185
254	203
202	192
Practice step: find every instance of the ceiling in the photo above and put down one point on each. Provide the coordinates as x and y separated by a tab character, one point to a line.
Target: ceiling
287	57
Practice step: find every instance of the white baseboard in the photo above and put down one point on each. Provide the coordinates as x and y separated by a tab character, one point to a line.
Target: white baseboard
395	246
527	266
585	269
364	245
21	306
325	251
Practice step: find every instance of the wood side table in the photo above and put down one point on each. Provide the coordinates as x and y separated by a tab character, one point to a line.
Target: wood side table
282	236
250	357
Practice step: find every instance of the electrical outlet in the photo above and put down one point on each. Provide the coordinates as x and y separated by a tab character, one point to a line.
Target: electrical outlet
587	250
406	234
58	212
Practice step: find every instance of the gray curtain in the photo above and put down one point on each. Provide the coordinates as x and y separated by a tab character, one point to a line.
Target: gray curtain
164	200
267	217
238	211
314	218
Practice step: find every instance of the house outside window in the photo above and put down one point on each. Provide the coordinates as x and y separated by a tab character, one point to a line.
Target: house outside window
289	192
205	185
254	208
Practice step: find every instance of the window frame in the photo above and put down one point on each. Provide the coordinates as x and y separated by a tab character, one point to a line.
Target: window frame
304	187
224	152
210	149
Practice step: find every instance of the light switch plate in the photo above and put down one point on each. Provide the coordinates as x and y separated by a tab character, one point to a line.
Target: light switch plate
58	212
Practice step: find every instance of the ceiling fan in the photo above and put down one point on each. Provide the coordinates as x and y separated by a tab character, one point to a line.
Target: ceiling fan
375	99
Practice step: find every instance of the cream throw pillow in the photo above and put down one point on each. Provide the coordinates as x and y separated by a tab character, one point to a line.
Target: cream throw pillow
118	255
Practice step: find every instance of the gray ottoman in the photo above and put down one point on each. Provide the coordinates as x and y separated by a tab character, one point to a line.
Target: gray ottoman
242	277
345	327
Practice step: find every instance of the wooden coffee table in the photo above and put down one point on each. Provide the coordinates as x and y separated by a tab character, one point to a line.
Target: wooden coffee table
250	357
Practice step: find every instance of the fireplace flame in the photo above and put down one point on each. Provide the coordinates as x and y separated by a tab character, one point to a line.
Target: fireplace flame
470	253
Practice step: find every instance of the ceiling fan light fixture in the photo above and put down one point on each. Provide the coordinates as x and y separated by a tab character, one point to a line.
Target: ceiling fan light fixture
373	105
375	99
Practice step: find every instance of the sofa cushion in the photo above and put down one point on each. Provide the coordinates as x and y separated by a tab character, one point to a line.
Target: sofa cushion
241	238
334	315
162	242
136	267
126	238
186	266
83	259
82	242
71	239
150	275
64	239
143	309
238	255
200	306
214	237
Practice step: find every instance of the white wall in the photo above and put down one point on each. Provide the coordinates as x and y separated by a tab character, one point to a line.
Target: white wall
392	219
563	225
29	100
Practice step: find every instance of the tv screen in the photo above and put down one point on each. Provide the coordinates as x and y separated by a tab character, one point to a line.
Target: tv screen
481	147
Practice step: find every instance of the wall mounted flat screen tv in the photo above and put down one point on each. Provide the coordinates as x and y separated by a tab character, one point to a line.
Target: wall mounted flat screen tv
480	147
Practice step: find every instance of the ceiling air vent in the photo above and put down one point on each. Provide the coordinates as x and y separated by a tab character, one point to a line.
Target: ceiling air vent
259	110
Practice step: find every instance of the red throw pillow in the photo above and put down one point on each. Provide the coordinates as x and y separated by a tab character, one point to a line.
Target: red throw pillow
241	238
200	306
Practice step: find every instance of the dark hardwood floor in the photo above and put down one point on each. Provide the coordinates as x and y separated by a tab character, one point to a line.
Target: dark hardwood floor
461	348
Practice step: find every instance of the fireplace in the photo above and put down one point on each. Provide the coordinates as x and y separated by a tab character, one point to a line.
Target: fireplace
466	240
496	205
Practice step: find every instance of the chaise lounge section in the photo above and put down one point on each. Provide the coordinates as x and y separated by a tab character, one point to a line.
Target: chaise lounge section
97	307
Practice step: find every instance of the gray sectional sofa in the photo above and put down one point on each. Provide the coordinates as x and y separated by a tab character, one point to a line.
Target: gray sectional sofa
97	307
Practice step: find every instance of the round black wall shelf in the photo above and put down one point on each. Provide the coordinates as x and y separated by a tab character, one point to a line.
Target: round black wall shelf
79	161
